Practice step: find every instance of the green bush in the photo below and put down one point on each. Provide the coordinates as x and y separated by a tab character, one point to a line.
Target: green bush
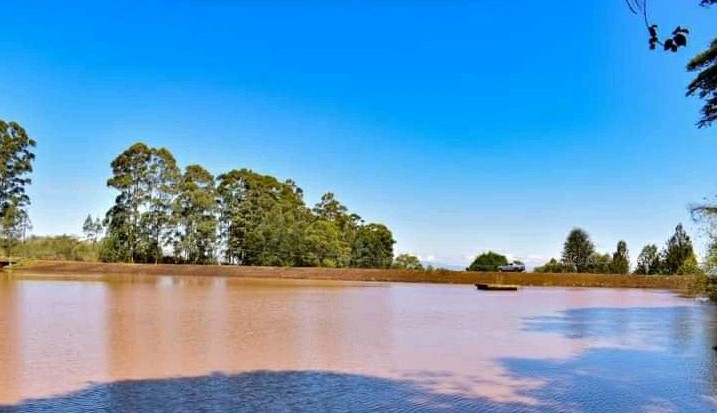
488	261
555	266
61	247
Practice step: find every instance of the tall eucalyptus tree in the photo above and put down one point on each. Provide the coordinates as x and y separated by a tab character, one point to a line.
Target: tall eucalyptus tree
139	223
16	165
195	212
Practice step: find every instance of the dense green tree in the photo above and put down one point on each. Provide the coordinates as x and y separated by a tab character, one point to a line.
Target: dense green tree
677	251
621	259
704	85
649	262
324	246
372	247
277	237
554	266
16	165
231	190
487	261
130	176
711	256
15	224
158	219
329	209
690	266
241	217
407	262
706	281
263	220
599	263
577	249
114	246
140	221
195	215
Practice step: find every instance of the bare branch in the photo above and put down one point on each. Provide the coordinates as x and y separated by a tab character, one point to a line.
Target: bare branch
703	211
633	8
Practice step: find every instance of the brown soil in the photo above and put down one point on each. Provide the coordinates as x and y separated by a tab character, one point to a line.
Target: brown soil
352	274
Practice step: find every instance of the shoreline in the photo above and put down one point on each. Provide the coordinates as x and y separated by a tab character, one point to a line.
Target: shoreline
60	268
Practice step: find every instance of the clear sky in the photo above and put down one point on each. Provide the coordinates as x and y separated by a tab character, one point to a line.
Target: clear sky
462	125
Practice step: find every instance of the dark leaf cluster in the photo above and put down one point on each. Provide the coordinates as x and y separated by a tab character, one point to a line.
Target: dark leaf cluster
672	44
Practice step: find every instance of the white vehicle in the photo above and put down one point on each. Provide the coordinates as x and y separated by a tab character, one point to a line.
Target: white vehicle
515	266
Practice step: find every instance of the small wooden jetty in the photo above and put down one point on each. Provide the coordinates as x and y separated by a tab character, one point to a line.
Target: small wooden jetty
497	287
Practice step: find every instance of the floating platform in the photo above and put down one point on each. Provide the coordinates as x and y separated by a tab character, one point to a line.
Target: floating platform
497	287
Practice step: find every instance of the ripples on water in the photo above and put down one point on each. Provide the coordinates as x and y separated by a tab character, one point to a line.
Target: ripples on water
191	344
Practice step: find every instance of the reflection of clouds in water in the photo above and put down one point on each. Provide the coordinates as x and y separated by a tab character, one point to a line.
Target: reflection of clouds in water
656	359
497	386
646	328
662	353
471	338
610	380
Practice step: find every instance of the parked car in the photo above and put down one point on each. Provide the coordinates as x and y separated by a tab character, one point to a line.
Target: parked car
515	266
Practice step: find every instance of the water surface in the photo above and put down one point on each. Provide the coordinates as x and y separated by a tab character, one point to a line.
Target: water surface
129	343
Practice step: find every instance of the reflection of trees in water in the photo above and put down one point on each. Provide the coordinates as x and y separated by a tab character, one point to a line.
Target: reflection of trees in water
195	325
340	326
47	337
713	355
10	348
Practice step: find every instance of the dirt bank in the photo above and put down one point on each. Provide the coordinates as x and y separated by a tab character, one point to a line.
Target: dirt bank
447	277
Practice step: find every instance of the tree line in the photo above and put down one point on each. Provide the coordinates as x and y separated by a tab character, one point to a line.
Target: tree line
579	255
165	214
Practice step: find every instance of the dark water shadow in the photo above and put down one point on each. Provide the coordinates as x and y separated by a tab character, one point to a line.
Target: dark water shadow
261	391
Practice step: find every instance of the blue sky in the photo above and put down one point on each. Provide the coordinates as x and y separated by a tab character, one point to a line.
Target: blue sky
463	125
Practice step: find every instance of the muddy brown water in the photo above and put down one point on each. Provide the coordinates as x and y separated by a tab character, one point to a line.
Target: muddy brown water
140	343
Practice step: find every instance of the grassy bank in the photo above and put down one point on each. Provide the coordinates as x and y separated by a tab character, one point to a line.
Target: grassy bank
352	274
